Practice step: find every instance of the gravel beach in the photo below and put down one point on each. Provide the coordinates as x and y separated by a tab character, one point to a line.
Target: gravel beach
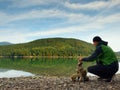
57	83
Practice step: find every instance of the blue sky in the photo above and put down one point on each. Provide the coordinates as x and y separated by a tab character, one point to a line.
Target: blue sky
26	20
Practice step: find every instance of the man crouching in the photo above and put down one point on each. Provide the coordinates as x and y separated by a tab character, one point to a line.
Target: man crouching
107	63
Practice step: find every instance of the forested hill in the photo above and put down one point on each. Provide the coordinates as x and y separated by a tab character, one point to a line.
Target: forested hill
48	47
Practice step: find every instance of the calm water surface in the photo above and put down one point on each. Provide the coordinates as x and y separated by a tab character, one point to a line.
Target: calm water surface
44	66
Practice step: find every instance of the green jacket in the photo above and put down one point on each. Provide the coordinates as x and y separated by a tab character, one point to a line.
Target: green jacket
103	54
107	56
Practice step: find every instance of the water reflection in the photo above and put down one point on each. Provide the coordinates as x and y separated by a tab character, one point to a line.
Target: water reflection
4	73
41	66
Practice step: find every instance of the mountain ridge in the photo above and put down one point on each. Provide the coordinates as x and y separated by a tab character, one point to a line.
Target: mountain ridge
5	43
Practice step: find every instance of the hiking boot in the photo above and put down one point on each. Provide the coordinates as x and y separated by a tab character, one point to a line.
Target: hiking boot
106	79
103	79
110	78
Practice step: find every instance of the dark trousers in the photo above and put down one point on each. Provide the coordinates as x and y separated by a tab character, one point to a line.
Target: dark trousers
104	71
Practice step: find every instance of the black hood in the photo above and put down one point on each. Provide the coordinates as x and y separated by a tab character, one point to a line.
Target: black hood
103	43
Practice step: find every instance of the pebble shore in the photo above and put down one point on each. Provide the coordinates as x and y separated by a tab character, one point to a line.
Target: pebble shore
57	83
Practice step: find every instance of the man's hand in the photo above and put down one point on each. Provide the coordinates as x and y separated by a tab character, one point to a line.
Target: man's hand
80	59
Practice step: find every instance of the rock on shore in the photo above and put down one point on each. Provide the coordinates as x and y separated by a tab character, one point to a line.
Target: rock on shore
57	83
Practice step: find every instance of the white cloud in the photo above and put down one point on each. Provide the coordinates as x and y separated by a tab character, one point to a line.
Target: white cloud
4	18
7	18
30	3
85	22
96	5
109	19
90	23
56	31
18	36
27	3
90	26
112	36
41	14
14	36
103	20
52	13
115	2
70	17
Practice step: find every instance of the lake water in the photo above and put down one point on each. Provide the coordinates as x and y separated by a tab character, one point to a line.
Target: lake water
30	67
6	73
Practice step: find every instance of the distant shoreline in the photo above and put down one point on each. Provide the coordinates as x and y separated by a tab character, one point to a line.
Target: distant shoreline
44	57
41	56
